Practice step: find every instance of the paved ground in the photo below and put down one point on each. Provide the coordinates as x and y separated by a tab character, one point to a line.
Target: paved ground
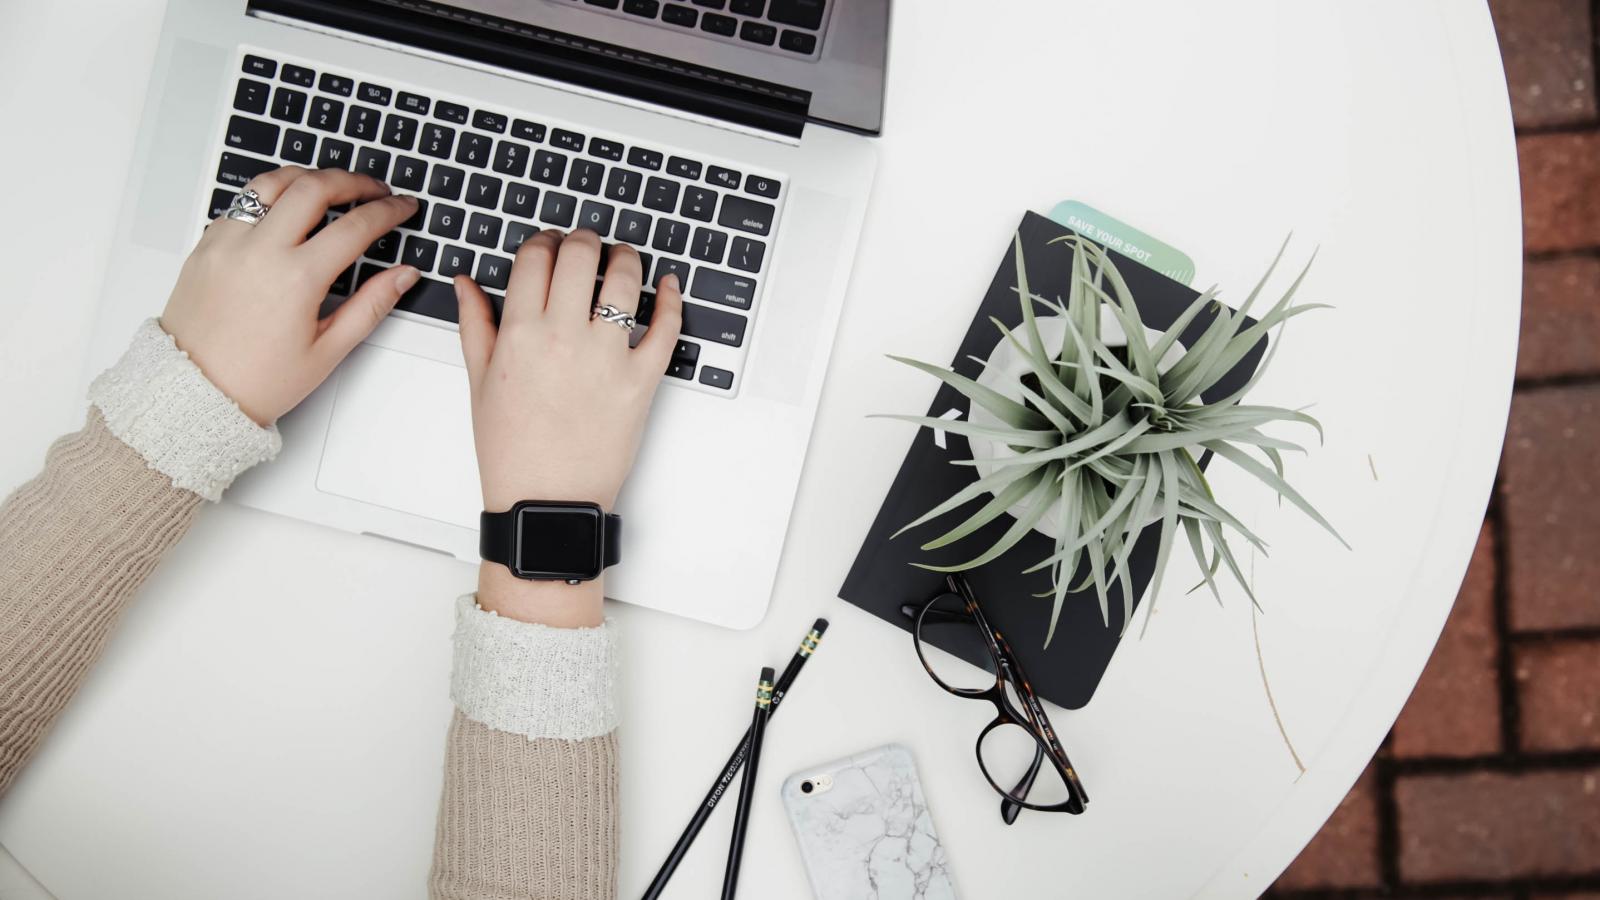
1489	784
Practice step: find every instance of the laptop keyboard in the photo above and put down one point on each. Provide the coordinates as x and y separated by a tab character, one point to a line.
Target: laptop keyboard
788	27
487	179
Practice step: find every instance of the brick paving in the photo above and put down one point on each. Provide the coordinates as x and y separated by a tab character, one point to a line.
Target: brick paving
1489	785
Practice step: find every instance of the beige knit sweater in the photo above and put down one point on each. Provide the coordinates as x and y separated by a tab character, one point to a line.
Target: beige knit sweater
529	802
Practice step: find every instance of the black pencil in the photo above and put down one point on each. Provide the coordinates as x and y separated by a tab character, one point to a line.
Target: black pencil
747	787
730	770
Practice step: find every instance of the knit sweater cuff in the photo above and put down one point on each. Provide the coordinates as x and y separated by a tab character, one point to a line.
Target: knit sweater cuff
534	680
157	401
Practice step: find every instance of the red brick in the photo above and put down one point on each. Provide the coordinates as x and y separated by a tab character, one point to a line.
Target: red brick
1344	854
1548	52
1558	688
1560	318
1560	183
1550	483
1491	826
1455	708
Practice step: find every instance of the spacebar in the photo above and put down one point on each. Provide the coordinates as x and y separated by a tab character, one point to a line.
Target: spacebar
430	298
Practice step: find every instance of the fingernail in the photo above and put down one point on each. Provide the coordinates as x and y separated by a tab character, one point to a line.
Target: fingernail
408	197
406	279
673	278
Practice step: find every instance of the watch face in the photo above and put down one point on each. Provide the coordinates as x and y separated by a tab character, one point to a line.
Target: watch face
557	541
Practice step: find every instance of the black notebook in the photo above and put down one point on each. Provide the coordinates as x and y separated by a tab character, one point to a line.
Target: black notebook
883	577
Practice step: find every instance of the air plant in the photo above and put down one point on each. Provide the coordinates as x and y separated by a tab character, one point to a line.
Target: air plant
1107	436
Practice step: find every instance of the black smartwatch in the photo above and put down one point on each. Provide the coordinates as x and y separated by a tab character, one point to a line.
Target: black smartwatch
551	540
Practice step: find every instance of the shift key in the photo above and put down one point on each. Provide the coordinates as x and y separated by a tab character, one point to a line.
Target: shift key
723	287
710	324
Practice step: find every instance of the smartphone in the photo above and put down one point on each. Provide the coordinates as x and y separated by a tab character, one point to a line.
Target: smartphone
864	829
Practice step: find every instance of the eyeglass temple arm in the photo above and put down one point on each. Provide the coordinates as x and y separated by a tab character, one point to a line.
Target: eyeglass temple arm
1008	807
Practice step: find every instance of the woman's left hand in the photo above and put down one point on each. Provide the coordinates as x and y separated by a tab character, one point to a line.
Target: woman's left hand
246	304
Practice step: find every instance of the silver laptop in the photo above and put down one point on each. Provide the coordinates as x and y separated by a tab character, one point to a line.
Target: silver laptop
728	140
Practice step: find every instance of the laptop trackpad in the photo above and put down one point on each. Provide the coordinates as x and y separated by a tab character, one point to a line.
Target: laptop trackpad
401	437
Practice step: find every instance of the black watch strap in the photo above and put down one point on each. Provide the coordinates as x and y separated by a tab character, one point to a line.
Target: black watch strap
497	537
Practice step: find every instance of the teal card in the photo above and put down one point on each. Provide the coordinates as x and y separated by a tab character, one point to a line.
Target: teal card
1125	239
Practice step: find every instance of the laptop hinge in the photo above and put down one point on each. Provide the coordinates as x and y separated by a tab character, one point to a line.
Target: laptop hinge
557	56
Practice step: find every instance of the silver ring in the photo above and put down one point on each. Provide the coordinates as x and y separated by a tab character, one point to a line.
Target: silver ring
609	313
247	207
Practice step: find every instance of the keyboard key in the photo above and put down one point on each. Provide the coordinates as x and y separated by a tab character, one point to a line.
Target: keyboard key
399	132
431	297
335	154
446	182
420	252
418	217
558	209
252	135
455	261
566	140
586	176
746	215
376	94
450	112
761	187
413	103
409	174
661	194
644	263
698	203
708	245
723	287
605	149
511	158
708	323
717	378
326	114
672	236
747	254
516	233
623	185
474	149
646	8
633	227
373	162
758	33
336	84
711	4
644	159
447	221
221	199
494	271
239	170
484	191
363	123
251	96
260	66
688	351
799	13
437	140
683	168
748	7
719	24
676	14
288	105
672	267
596	217
548	167
344	282
298	147
483	230
386	248
681	369
489	121
298	75
603	4
798	42
721	177
528	131
521	200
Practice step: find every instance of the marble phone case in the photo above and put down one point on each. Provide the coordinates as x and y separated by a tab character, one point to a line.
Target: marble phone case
868	836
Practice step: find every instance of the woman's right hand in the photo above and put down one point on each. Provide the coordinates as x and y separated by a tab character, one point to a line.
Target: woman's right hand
559	401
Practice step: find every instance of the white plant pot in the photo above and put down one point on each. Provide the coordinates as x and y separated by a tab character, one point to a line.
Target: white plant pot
1003	374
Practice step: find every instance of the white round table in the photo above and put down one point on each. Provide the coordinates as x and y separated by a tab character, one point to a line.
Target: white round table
270	718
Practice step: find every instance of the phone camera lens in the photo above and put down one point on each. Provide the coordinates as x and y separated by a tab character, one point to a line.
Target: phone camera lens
806	787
